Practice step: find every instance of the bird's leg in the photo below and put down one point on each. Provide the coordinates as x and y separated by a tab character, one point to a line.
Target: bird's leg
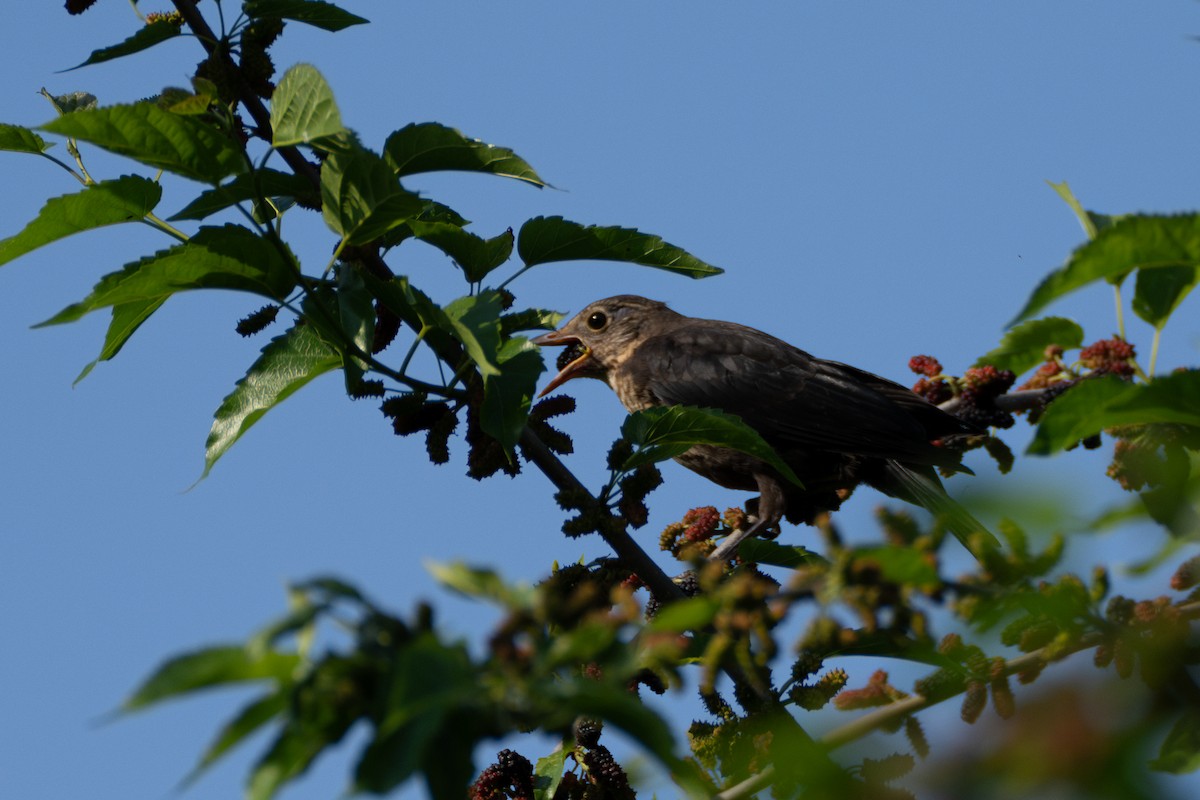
769	510
729	547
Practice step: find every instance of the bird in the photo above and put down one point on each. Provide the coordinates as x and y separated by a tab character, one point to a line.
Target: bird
834	425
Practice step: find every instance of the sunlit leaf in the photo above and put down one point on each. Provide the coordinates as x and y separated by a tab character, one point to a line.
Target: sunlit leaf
360	197
1133	242
430	147
317	13
125	199
765	551
485	584
21	140
287	364
212	666
146	37
146	133
1102	403
475	322
303	110
229	257
475	255
1024	346
507	396
546	239
1091	221
126	319
548	772
666	432
530	319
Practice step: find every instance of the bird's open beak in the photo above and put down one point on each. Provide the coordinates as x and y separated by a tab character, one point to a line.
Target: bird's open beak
573	367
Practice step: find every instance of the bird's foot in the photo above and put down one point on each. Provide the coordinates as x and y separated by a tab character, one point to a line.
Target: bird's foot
728	548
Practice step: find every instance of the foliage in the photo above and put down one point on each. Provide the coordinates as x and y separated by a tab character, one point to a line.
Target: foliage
571	654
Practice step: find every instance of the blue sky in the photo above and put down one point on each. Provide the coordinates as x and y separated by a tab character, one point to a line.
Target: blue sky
871	176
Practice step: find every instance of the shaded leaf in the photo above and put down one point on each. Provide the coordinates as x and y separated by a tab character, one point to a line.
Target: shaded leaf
902	565
475	255
546	239
475	322
146	133
508	396
317	13
72	101
765	551
229	257
1024	346
356	314
530	319
430	147
548	772
125	199
287	364
666	432
433	212
689	614
361	198
126	318
1133	242
1102	403
146	37
251	718
1180	752
303	110
1158	292
21	140
212	666
244	187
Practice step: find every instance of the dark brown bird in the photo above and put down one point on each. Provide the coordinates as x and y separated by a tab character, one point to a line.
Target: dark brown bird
834	425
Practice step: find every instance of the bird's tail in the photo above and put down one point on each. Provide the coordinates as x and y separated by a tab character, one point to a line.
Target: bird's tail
922	488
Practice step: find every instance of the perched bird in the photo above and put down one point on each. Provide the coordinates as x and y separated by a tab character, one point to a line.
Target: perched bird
834	425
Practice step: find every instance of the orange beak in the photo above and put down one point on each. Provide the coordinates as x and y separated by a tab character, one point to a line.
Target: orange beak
573	367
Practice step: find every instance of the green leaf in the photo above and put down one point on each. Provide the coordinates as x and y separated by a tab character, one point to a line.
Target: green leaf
475	255
1133	242
508	396
287	363
1024	346
361	197
548	772
212	666
530	319
1158	292
247	186
126	319
229	257
303	110
765	551
146	133
475	321
482	583
356	313
666	432
690	614
250	719
901	565
430	147
125	199
293	751
317	13
1091	221
547	239
70	102
146	37
1180	752
1101	403
21	140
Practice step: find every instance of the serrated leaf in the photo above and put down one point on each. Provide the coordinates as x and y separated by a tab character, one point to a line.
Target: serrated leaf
125	199
212	666
147	36
17	139
287	364
1180	752
546	239
126	319
474	254
666	432
433	212
361	198
244	187
430	147
146	133
1134	242
229	257
317	13
251	718
765	551
476	324
70	102
1105	402
1158	292
548	772
1024	346
508	396
530	319
303	110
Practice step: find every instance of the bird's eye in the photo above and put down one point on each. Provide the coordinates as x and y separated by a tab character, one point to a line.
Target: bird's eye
597	320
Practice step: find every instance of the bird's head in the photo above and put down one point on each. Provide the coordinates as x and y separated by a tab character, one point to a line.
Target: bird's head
602	336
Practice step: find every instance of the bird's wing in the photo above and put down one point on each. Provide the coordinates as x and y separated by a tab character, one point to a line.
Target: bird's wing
793	400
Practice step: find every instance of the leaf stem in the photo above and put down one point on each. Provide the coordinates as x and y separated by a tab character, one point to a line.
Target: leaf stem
1154	352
